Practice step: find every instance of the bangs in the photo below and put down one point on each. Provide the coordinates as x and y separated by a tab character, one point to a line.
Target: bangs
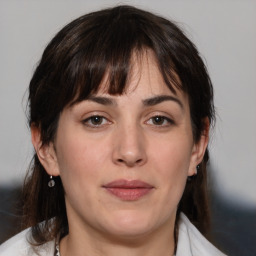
102	56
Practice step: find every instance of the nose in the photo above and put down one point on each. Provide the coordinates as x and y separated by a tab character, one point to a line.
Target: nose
129	147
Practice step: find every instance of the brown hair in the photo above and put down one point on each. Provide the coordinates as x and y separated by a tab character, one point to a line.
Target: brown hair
73	66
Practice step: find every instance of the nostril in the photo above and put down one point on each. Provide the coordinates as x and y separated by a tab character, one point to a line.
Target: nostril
129	163
138	161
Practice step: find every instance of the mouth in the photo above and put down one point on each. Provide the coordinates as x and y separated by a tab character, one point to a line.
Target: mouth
128	190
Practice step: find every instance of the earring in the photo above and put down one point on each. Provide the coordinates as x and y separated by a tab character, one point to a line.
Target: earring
197	169
51	182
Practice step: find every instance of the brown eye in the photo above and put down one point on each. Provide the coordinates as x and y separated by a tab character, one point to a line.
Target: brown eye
158	120
161	121
95	121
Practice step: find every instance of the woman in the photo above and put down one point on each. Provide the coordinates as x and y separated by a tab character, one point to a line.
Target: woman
120	109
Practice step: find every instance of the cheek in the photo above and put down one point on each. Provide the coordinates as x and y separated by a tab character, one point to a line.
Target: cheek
80	167
78	159
172	170
171	162
172	155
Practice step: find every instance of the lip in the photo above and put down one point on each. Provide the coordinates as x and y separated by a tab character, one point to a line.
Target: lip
128	190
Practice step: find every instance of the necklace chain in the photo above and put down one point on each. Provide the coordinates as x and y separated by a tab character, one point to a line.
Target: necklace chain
57	250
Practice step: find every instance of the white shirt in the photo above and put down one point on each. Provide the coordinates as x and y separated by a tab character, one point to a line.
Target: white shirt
190	243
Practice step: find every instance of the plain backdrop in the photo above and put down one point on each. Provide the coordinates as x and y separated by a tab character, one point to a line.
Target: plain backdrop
225	34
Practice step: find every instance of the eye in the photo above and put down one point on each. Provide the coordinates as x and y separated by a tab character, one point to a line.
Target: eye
95	121
160	121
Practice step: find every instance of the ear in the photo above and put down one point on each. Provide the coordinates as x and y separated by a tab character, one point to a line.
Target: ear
46	153
199	148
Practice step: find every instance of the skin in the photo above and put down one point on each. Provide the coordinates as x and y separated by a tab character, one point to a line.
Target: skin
131	138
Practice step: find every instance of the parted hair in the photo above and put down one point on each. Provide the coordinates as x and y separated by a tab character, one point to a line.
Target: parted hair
72	68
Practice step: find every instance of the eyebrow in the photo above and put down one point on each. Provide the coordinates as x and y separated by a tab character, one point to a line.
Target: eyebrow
161	98
102	100
147	102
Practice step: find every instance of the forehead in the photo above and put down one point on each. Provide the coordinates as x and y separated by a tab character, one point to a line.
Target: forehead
145	85
144	78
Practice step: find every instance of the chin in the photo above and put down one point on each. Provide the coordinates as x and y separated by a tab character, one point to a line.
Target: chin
132	224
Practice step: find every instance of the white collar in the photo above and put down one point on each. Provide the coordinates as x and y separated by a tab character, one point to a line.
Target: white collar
191	242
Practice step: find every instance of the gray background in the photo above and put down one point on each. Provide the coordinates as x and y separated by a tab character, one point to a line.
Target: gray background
225	34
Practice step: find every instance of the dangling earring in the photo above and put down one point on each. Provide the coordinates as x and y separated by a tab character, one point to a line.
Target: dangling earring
197	169
51	182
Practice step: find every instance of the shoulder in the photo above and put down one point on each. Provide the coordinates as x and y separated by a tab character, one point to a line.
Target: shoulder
19	246
191	242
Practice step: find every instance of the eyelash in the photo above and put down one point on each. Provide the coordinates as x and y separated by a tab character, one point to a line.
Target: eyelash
88	121
164	121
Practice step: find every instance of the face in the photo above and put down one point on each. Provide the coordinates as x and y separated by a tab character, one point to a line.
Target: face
124	160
